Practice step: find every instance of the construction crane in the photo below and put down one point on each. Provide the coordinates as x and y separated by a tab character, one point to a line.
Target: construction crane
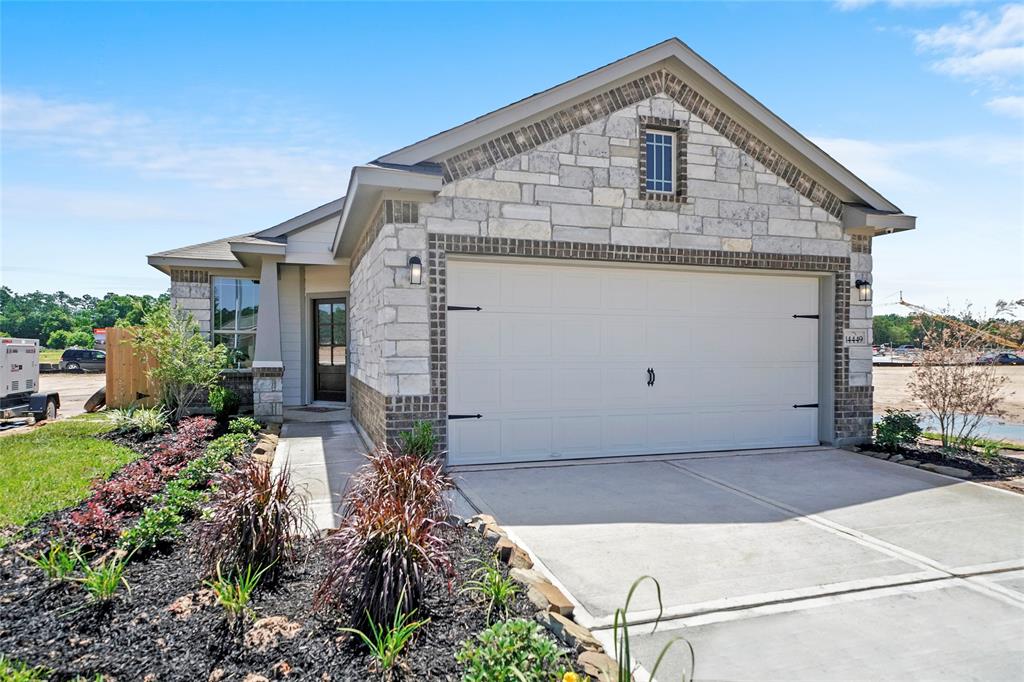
1006	343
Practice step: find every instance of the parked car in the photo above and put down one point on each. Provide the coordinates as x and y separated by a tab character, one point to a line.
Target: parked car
83	360
1000	359
905	348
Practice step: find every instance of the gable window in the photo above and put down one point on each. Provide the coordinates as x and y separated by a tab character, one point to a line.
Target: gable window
236	305
660	147
662	160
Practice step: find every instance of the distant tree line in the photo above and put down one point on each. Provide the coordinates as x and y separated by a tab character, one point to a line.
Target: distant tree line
59	320
898	330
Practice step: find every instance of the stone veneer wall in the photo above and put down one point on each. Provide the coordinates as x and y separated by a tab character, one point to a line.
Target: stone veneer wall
577	195
190	291
268	394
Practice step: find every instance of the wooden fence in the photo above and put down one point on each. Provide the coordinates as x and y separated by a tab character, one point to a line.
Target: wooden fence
127	381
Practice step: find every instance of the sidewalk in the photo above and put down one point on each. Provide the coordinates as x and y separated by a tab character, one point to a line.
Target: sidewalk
320	456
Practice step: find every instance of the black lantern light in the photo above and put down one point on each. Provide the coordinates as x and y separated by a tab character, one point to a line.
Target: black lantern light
415	270
863	289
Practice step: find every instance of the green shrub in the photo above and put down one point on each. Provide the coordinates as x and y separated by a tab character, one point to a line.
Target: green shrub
896	429
421	441
57	562
234	592
223	401
16	671
244	425
489	584
156	526
386	642
149	420
103	581
121	418
511	651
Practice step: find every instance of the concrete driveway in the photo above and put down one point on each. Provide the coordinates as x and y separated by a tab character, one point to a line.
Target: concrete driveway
806	564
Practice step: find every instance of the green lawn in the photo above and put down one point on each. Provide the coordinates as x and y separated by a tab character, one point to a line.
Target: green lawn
50	356
982	442
50	467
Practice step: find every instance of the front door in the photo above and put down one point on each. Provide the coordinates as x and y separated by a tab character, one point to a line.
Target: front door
329	334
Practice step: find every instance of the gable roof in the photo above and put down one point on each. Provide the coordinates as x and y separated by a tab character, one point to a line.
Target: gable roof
675	56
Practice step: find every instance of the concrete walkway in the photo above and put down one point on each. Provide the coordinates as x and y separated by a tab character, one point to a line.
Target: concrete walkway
806	564
320	455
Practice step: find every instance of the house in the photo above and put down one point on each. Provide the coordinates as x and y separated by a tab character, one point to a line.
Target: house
641	260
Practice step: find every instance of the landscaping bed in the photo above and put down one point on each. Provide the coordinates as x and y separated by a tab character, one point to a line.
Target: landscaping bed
168	626
123	585
981	466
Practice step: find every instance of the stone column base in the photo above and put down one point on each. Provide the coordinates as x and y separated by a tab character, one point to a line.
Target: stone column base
268	394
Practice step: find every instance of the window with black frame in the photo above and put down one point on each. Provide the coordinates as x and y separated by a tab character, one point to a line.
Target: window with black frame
236	305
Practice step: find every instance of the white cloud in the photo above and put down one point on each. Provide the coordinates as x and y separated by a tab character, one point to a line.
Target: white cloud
981	46
850	5
1010	106
893	165
189	150
25	201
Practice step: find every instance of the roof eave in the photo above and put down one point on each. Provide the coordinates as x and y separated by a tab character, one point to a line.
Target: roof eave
864	220
331	208
366	188
165	263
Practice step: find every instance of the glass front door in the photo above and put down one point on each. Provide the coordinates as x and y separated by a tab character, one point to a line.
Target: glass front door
330	333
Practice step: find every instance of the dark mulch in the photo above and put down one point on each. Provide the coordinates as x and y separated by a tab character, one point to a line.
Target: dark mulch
981	466
138	637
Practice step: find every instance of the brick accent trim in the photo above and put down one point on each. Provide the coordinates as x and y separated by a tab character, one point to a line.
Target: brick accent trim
676	126
368	409
860	243
389	211
528	137
852	405
190	276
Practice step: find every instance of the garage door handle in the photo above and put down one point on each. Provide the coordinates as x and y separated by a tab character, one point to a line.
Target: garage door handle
807	405
465	416
654	377
650	376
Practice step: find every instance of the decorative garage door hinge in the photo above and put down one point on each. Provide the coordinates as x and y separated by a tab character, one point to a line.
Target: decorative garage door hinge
807	405
465	416
464	307
807	317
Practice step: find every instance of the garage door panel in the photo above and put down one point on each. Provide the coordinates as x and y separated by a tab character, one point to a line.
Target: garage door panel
576	388
528	290
578	436
623	290
476	282
526	437
478	388
525	388
577	336
474	339
558	367
621	341
525	337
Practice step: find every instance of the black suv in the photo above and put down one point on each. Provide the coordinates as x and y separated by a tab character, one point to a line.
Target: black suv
83	360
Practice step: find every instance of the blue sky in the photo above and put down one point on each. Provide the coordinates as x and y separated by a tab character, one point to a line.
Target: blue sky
133	128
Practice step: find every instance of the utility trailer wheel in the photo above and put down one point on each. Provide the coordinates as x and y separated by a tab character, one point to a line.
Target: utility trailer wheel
49	413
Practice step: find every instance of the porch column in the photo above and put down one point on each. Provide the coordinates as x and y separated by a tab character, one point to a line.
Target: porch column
267	367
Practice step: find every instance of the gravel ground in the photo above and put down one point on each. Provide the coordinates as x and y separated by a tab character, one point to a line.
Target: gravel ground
74	389
891	390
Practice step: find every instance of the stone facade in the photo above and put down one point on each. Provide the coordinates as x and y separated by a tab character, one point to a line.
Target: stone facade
268	394
577	195
190	292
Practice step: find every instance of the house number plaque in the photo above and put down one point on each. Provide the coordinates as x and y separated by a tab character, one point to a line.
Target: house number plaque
854	337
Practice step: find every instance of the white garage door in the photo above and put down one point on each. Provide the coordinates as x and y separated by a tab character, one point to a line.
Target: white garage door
568	361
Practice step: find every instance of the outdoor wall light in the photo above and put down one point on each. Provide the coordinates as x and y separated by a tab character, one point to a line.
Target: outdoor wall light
863	289
415	270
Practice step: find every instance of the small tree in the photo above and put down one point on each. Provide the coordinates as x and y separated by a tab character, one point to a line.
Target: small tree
177	357
949	382
64	338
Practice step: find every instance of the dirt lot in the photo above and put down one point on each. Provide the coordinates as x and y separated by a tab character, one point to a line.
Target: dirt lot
74	389
891	390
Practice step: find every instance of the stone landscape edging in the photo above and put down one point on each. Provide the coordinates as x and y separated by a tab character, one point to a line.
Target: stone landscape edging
942	470
555	609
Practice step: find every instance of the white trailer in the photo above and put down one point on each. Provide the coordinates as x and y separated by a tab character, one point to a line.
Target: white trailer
19	382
